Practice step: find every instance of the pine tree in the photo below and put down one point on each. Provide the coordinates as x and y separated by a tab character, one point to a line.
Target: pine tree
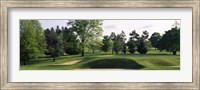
54	43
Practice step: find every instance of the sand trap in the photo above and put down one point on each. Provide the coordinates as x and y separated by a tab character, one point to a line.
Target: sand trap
68	63
71	62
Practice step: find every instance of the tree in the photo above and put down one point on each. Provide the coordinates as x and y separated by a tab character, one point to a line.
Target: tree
58	30
117	44
131	46
113	36
95	44
123	36
155	37
40	36
124	48
170	41
54	43
28	41
141	45
86	30
60	35
71	42
107	44
133	41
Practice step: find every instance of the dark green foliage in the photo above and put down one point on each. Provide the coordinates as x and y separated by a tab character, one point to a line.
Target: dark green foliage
155	37
141	45
132	42
161	44
73	51
54	43
123	36
170	40
58	31
107	44
131	46
112	36
28	41
117	44
71	42
124	48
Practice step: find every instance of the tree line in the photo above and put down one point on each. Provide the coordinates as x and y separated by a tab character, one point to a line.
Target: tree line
78	34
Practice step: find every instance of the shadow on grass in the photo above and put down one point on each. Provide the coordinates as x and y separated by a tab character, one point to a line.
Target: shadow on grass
31	62
120	63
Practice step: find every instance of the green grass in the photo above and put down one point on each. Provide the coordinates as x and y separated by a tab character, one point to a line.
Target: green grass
153	60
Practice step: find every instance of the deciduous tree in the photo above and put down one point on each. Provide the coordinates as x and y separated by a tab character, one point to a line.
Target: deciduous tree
71	41
40	36
155	37
170	41
95	44
107	43
28	41
86	30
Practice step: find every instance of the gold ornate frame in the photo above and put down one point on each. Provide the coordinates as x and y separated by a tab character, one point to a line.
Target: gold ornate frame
6	4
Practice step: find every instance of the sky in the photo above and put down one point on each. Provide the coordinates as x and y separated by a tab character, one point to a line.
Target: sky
127	26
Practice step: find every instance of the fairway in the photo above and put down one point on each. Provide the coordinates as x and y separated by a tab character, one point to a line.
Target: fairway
150	61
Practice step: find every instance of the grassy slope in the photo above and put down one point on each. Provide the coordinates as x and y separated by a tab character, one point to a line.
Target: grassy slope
154	60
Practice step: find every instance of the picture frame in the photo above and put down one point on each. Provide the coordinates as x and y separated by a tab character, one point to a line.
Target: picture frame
4	50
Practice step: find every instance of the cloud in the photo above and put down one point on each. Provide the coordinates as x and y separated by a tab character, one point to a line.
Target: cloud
145	27
110	26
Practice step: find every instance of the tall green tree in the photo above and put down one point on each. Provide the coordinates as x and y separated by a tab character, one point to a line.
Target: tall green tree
124	48
54	43
58	30
118	44
107	43
132	42
123	40
86	30
71	41
155	37
170	41
28	41
142	43
131	46
113	36
40	36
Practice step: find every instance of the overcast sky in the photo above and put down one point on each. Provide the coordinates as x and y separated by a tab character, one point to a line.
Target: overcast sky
126	25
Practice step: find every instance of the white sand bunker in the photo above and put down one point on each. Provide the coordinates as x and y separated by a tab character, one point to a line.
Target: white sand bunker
68	63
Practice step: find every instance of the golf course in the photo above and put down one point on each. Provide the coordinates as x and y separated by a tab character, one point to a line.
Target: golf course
100	45
154	60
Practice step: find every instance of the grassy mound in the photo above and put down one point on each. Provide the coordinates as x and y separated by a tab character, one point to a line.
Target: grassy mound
120	63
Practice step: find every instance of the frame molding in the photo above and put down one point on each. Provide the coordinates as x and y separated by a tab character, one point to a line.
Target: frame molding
6	4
